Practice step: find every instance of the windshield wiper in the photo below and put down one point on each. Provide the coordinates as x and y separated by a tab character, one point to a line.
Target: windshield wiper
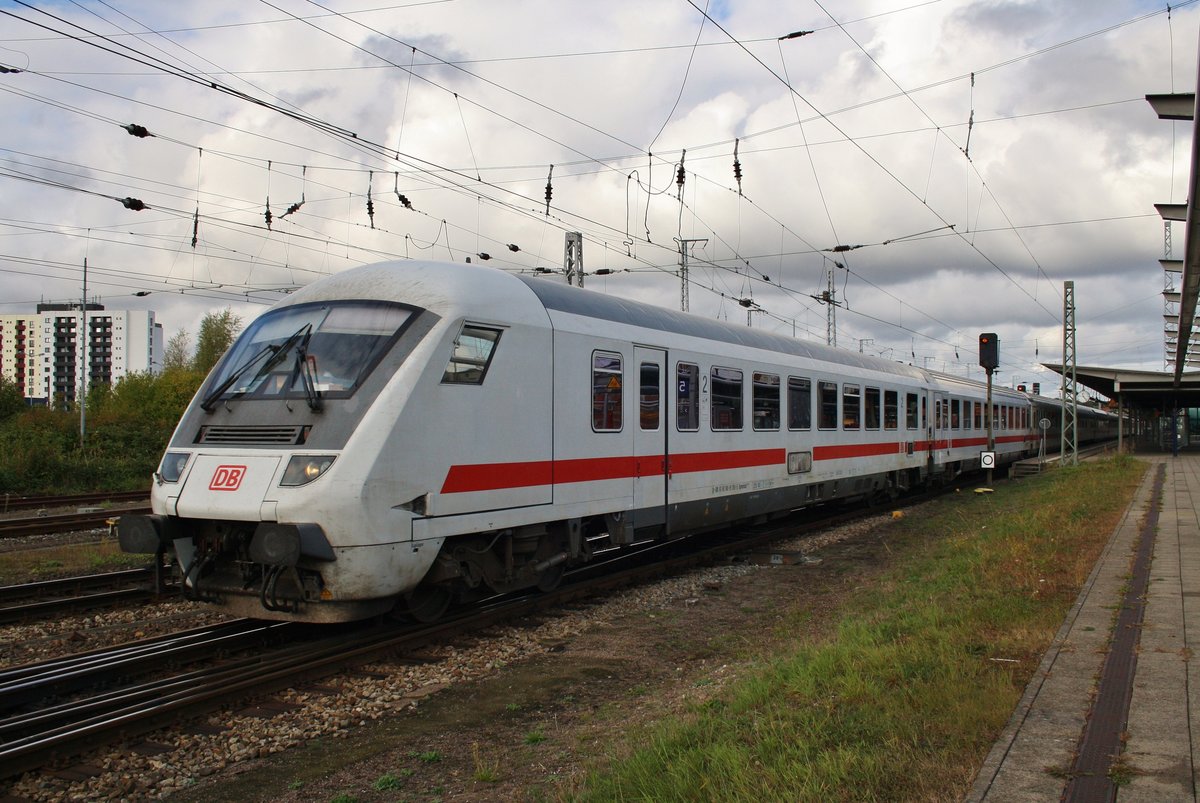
302	368
277	354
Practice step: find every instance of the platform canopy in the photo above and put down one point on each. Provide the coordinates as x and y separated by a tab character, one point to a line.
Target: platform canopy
1150	390
1182	106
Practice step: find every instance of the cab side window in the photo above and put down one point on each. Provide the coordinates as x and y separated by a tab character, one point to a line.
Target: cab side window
473	351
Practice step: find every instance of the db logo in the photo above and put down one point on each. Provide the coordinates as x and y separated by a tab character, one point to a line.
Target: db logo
227	478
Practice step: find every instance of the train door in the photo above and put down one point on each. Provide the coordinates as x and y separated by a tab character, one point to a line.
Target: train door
939	448
650	439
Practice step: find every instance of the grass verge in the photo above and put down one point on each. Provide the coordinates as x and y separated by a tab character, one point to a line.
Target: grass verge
904	698
66	560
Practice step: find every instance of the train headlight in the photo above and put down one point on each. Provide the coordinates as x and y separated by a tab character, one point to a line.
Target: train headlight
304	468
173	464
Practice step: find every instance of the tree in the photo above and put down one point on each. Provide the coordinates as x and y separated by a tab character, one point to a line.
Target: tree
217	331
12	401
178	356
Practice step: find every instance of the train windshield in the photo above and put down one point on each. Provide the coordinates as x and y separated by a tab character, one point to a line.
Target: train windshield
308	351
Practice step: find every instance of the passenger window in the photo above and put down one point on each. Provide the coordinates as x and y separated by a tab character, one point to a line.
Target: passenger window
766	401
955	422
871	408
851	407
648	401
910	411
687	398
606	392
827	395
726	399
891	409
473	350
978	415
800	403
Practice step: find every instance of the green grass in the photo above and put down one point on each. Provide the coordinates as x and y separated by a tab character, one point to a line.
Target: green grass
387	782
24	566
903	700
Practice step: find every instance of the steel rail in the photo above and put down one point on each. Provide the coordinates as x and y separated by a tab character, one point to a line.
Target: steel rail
10	502
30	601
59	586
61	523
33	683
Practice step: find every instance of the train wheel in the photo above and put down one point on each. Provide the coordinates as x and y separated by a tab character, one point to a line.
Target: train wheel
427	604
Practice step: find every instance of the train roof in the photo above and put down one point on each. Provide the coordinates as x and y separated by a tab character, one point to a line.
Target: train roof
590	304
446	289
454	289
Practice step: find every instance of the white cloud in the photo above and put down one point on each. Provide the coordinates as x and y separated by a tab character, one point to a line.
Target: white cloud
1059	138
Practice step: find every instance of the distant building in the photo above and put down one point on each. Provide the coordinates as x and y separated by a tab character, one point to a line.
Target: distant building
43	352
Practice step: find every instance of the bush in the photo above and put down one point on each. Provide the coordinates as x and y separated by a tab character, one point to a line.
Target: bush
11	400
128	427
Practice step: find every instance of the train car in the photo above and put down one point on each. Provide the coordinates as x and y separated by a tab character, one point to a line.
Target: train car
411	433
1092	424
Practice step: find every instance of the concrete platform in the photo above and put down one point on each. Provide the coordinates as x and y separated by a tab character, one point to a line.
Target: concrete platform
1034	757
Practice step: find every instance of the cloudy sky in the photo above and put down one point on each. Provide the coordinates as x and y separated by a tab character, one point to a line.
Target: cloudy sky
972	154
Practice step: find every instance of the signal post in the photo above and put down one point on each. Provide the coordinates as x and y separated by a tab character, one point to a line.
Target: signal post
989	359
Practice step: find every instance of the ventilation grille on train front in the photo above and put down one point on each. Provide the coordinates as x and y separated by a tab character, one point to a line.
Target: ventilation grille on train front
266	435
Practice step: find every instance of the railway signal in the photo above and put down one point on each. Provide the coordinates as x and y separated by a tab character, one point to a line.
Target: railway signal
989	351
989	358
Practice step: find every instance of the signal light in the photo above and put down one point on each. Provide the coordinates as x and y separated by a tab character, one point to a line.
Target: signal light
989	351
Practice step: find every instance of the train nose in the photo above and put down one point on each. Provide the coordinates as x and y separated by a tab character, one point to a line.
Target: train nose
234	484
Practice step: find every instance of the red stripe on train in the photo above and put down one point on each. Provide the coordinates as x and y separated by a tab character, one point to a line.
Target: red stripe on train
497	476
856	450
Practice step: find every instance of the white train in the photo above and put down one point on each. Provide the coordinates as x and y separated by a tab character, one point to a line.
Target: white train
421	432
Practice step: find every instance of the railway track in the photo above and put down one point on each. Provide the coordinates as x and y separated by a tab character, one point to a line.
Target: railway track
29	601
50	717
63	522
10	503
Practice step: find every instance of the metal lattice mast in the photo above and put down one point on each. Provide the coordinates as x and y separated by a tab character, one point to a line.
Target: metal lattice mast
830	309
1069	449
684	304
573	258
